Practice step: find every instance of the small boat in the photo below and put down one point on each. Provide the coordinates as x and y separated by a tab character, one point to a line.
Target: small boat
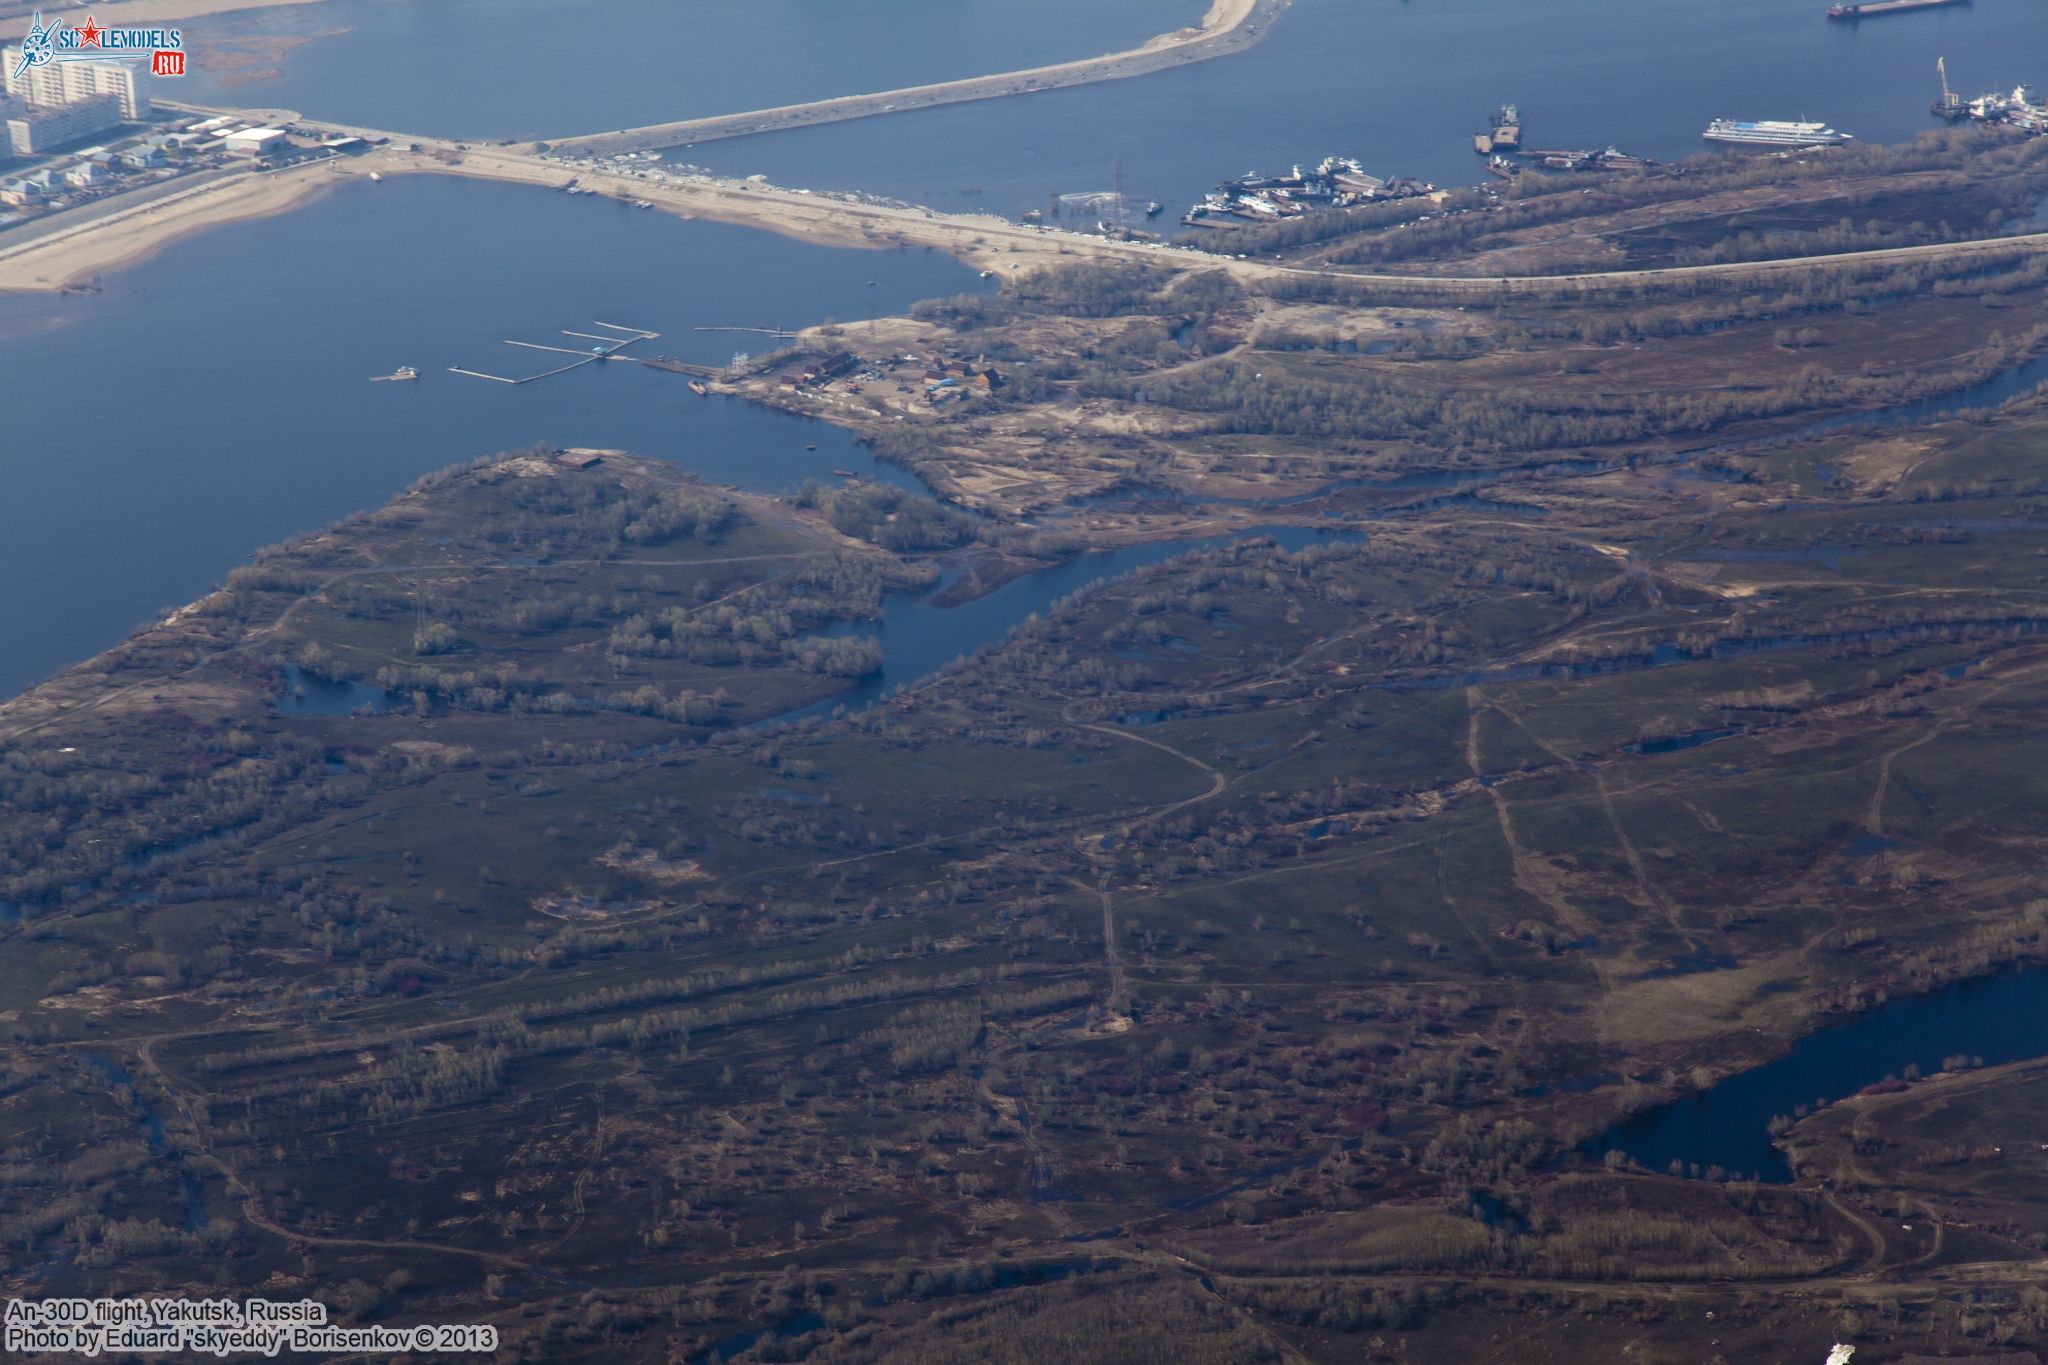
698	387
810	447
846	473
402	372
375	178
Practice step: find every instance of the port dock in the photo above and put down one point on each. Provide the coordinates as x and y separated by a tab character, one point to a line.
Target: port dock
674	366
608	346
1505	136
1872	9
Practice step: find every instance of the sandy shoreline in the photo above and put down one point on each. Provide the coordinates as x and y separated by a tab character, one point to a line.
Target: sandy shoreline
70	256
14	18
73	256
983	241
115	237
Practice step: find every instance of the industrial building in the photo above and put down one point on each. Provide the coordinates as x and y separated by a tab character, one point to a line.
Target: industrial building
254	141
66	82
37	130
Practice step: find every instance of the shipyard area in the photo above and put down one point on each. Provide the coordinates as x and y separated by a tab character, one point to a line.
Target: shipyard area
1342	182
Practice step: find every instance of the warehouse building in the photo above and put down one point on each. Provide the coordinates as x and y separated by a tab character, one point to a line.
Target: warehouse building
254	141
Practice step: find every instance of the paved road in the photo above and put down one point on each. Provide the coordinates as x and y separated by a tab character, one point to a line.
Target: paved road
999	244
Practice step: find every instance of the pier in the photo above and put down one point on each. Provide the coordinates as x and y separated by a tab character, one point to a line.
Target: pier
674	366
1872	9
608	347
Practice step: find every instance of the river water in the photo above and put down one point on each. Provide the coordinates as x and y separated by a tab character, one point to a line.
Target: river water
920	637
543	68
1403	84
2000	388
1997	1019
1400	84
217	398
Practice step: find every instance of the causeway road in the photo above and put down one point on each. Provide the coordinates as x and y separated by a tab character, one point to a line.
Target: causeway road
1229	26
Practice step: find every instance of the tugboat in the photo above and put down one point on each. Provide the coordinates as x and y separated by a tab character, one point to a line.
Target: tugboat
1153	208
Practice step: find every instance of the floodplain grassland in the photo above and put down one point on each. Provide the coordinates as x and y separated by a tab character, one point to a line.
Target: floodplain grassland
1965	184
1238	952
1227	399
1959	1153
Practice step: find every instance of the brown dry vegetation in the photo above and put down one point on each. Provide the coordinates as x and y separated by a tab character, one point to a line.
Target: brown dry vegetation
1227	964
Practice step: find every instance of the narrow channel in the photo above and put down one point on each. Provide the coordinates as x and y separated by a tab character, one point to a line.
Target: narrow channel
1991	1020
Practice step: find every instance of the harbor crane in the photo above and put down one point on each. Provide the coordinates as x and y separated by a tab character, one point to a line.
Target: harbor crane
1950	106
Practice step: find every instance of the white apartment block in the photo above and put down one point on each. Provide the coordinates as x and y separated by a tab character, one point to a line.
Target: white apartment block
38	130
56	83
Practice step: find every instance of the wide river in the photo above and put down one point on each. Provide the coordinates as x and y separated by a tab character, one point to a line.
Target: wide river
218	397
1400	84
545	68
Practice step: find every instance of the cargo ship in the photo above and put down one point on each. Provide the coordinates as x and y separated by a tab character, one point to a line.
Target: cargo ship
1872	9
1506	135
1592	159
1774	133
